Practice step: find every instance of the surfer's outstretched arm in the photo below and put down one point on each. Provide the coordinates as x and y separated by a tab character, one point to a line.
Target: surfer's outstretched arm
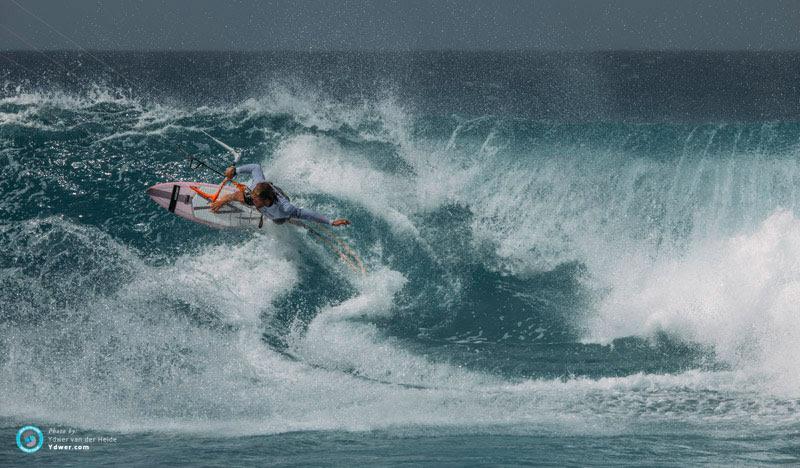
308	215
300	213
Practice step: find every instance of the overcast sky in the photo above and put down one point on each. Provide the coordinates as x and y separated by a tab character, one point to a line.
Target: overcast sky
400	25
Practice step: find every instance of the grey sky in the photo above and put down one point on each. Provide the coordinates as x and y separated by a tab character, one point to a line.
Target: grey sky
401	25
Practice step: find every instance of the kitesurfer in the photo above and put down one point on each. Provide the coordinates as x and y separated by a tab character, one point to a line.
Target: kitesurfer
268	199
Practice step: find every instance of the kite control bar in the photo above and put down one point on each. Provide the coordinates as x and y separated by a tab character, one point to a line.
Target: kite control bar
196	163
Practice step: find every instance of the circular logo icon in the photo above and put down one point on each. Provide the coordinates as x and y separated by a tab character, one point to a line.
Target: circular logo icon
30	439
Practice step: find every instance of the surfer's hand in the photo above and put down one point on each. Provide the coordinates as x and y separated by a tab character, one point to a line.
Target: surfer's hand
217	204
340	222
230	172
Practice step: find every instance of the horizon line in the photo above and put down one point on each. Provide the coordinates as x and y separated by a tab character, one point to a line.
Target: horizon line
364	50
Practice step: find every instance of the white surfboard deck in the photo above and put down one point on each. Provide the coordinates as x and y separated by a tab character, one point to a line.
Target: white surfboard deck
180	199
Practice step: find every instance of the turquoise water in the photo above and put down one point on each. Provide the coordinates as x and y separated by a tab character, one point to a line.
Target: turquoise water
572	259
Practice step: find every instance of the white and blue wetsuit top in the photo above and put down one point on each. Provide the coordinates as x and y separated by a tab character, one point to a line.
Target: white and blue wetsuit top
281	209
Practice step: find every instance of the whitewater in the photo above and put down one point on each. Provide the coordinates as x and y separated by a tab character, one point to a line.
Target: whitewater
571	272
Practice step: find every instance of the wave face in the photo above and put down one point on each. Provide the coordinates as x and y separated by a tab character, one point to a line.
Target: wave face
544	250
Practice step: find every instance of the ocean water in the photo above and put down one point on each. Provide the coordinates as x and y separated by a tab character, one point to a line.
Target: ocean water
571	259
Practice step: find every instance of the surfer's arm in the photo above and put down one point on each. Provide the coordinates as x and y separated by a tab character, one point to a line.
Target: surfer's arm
301	213
253	170
225	199
309	215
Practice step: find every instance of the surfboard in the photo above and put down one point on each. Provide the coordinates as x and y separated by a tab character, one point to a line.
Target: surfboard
180	199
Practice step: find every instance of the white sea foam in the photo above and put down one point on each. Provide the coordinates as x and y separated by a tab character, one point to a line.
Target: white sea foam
132	361
380	118
343	337
96	94
740	295
320	164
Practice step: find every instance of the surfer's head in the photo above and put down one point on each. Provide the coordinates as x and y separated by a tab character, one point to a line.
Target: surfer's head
263	194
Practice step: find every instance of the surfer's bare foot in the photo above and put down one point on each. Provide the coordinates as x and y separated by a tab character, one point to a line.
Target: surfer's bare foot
340	222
